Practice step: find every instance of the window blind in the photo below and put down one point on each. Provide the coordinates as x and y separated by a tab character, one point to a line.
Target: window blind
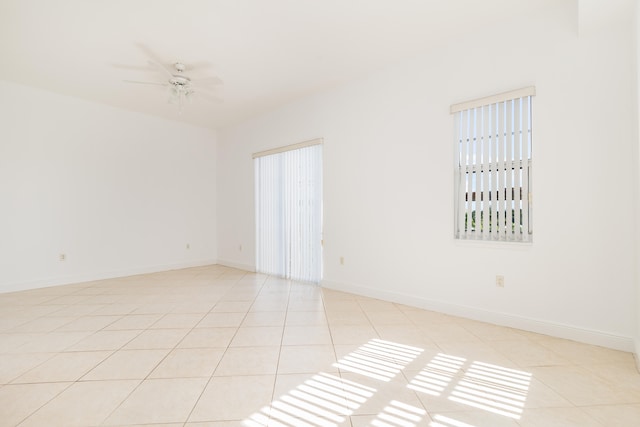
289	212
493	146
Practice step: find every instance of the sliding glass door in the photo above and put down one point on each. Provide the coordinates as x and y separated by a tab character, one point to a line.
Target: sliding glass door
288	188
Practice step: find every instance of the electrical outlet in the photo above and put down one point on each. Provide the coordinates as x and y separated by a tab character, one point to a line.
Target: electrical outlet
63	257
188	246
500	281
341	260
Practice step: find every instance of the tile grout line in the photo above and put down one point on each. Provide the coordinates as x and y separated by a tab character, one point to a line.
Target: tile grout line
225	351
142	380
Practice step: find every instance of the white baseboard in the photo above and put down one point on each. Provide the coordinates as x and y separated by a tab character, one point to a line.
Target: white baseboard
88	277
587	336
239	266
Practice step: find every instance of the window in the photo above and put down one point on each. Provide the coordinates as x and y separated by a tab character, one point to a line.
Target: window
493	167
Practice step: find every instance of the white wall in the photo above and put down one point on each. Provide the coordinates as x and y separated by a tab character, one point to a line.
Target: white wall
117	192
388	174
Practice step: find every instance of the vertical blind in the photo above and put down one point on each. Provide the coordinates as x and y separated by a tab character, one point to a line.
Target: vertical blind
493	167
288	194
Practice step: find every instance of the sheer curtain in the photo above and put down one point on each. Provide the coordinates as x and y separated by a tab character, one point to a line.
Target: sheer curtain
288	189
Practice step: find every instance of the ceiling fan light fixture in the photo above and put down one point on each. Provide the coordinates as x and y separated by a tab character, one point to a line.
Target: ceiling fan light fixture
179	94
180	87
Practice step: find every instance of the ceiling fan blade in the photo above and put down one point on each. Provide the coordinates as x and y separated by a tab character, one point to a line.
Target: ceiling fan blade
161	67
145	83
154	59
194	66
149	53
133	67
207	96
211	80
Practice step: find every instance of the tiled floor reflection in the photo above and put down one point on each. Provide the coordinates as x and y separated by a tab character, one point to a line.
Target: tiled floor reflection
218	347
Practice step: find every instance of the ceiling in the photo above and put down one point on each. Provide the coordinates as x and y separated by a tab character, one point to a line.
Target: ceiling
267	52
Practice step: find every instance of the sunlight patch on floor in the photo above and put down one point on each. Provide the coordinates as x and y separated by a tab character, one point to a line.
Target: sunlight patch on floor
326	400
398	414
442	421
378	359
437	375
494	389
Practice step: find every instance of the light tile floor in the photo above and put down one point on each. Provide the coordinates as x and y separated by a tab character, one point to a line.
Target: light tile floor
213	346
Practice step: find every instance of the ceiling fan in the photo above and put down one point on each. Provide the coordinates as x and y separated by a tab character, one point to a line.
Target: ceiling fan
181	88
